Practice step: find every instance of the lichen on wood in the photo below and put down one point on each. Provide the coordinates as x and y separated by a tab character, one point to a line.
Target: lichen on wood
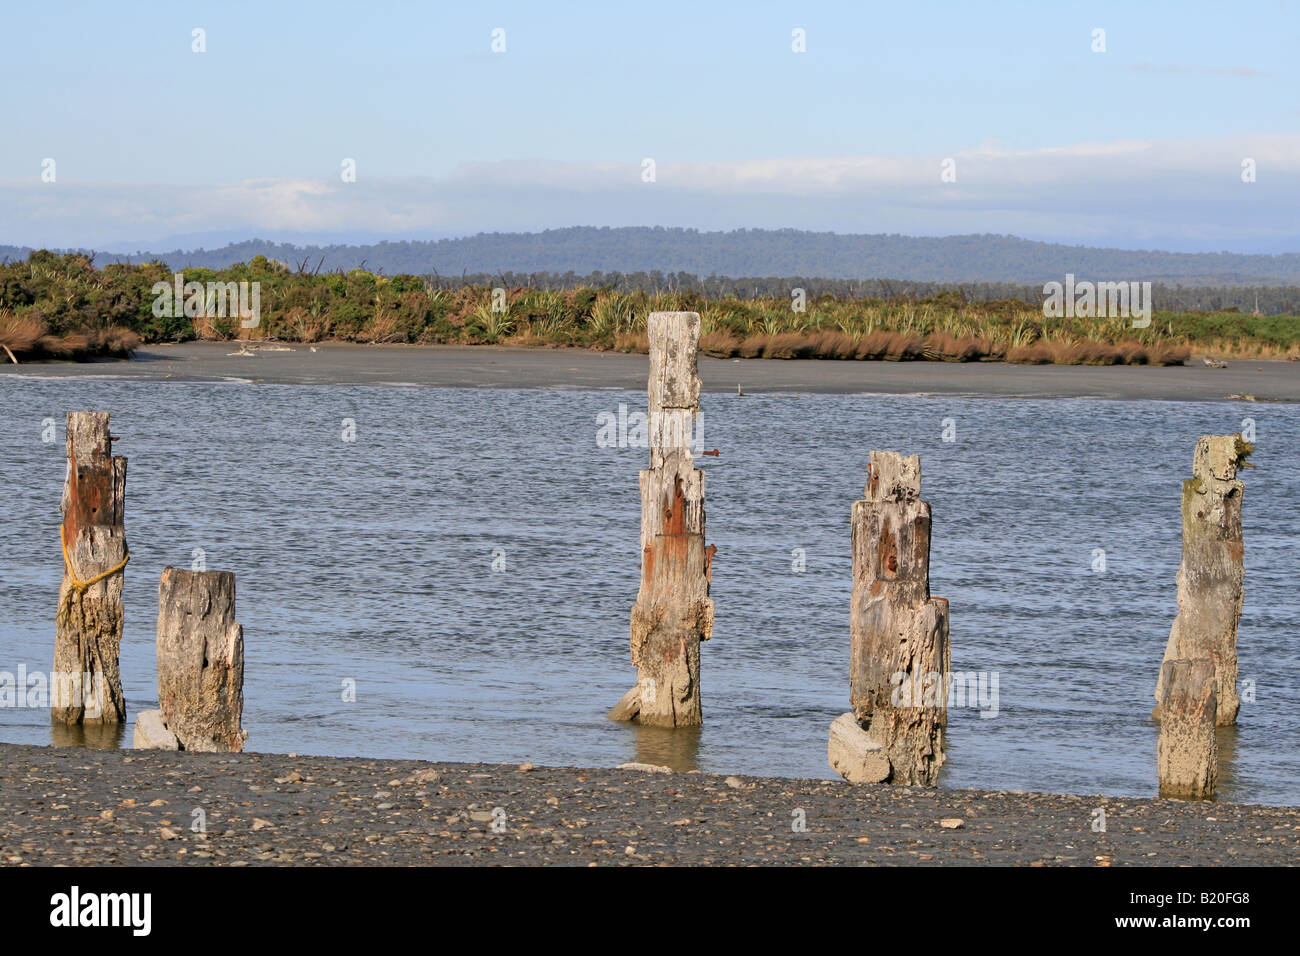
673	613
899	654
200	660
1187	757
1211	573
87	681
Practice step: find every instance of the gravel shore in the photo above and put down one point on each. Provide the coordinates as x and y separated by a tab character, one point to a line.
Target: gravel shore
513	367
112	807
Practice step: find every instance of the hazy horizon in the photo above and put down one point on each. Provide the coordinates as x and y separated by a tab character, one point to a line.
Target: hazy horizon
219	239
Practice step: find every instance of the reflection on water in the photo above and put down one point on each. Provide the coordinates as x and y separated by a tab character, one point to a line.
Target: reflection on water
1227	738
470	551
678	748
90	736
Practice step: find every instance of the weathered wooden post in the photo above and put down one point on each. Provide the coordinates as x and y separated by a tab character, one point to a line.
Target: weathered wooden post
1187	757
673	613
900	659
86	685
200	666
1210	575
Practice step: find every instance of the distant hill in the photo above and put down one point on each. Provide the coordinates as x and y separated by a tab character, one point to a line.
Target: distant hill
751	252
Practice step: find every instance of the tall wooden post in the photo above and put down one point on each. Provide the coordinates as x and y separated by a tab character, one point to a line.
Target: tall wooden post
673	613
1187	758
87	684
200	660
1210	575
900	661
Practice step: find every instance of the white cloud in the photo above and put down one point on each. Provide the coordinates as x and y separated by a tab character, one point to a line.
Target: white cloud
1081	192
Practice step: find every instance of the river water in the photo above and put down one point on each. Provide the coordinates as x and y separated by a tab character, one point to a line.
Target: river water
466	559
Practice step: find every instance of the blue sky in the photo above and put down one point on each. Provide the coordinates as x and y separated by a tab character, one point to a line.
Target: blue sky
1137	145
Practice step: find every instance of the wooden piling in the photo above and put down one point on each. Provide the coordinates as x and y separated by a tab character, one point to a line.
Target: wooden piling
87	683
673	612
1188	754
899	656
200	660
1211	572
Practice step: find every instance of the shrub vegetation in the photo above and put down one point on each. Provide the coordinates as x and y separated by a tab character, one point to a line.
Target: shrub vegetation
62	306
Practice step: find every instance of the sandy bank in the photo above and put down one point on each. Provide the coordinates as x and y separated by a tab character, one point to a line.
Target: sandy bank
504	367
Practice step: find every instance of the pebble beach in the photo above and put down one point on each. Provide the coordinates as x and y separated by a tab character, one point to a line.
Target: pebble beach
64	806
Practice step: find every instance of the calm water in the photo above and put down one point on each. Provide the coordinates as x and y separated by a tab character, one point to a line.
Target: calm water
372	561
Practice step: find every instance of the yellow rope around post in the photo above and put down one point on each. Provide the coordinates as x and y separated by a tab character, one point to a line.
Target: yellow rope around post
77	585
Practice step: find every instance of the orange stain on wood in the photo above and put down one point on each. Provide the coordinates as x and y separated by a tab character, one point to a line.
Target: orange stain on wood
90	494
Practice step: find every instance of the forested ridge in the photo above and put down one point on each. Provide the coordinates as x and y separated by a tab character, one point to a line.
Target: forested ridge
584	250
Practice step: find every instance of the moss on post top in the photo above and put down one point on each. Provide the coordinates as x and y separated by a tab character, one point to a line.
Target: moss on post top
1244	450
1216	460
